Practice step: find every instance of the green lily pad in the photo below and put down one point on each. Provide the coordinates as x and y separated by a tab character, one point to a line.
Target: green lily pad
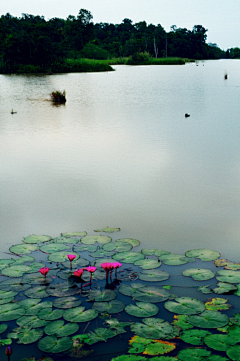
100	254
153	275
49	315
224	288
209	319
79	263
29	302
35	267
117	246
24	259
15	271
130	290
5	262
23	248
203	254
219	342
142	309
74	234
53	345
14	285
154	328
182	322
104	295
30	336
133	242
159	348
59	329
54	247
194	354
205	290
34	309
7	294
100	334
148	252
94	239
37	292
160	252
227	276
237	293
129	358
199	274
185	306
36	239
128	257
175	259
147	263
119	327
217	304
3	328
194	337
107	229
37	278
62	240
31	321
85	247
151	294
61	256
109	307
67	302
62	290
11	311
78	314
234	352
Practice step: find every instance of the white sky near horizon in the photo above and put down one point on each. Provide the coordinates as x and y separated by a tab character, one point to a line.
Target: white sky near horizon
220	17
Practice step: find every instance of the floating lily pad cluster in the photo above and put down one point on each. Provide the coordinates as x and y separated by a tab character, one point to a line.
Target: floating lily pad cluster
162	296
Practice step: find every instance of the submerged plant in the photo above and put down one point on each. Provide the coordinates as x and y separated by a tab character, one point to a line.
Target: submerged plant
58	97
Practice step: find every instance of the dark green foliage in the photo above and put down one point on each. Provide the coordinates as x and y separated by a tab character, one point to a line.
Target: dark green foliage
58	97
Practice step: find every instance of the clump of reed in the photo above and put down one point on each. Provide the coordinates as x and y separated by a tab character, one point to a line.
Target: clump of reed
58	97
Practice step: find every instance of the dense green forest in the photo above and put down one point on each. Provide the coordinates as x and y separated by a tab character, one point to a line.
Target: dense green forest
33	44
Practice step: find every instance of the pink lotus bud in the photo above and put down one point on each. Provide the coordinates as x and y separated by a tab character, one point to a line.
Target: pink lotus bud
91	269
71	257
116	264
44	271
78	273
8	351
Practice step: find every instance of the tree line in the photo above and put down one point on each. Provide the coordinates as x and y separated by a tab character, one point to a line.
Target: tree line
46	43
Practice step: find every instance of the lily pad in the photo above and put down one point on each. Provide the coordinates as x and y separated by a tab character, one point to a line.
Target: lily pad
37	292
24	259
113	306
199	274
224	288
217	304
104	295
129	358
182	322
30	336
193	354
148	252
79	263
36	239
100	254
153	275
59	329
128	257
185	306
49	315
133	242
54	247
154	328
74	234
159	348
142	309
5	262
117	246
94	239
234	352
78	314
10	312
53	345
33	310
23	248
15	271
160	252
147	263
209	319
7	294
29	302
194	337
100	334
63	290
3	328
227	276
85	247
130	290
31	321
14	285
151	294
175	259
203	254
61	256
219	342
67	302
107	229
37	279
119	327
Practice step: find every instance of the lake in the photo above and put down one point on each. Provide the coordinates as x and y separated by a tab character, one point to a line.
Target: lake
121	153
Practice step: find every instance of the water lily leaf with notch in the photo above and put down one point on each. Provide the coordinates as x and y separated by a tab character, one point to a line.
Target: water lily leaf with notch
31	321
107	229
224	288
234	352
23	248
199	274
5	262
54	247
78	314
133	242
59	329
104	295
205	290
203	254
154	328
217	304
37	278
194	337
181	322
153	275
113	306
160	253
209	319
29	302
34	309
193	354
62	240
142	309
53	345
36	239
7	294
6	341
67	302
100	254
219	342
100	334
35	267
128	257
23	259
148	252
94	239
10	312
228	276
14	285
61	256
185	306
117	246
159	348
49	315
119	327
85	247
3	328
15	271
30	336
62	290
74	234
79	263
151	294
37	292
130	290
147	263
175	259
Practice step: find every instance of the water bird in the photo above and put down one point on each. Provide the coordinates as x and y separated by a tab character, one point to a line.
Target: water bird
225	76
187	115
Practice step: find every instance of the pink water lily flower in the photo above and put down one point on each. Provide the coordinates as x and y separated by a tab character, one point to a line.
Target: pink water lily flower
78	272
44	271
107	267
116	265
71	257
91	269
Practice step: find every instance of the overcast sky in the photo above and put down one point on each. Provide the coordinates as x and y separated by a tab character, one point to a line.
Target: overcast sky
220	17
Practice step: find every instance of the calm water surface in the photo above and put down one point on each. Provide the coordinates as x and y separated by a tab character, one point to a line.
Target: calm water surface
121	153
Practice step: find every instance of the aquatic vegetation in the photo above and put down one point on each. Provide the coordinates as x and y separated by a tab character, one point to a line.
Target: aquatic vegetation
58	97
66	308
